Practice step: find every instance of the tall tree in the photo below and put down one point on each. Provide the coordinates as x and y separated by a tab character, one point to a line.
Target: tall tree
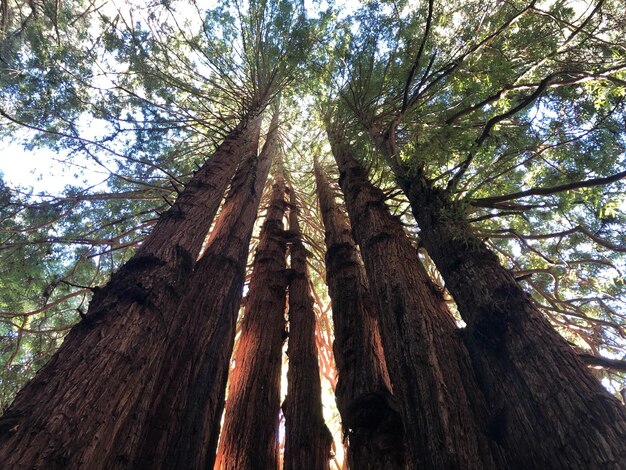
133	100
249	437
369	412
185	408
307	439
499	125
442	408
525	369
122	334
540	393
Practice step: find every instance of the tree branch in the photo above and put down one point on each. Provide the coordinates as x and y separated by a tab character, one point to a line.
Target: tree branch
603	362
420	52
519	107
489	201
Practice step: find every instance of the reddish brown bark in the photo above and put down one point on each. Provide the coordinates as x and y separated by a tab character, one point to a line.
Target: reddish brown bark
187	222
546	409
185	410
429	366
249	438
307	439
369	412
69	415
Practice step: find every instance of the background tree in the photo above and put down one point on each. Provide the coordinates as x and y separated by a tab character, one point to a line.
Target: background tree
249	437
307	439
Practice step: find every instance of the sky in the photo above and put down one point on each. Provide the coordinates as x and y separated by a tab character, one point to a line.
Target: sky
44	170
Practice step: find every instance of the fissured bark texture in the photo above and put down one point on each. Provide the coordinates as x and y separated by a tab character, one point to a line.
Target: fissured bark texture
546	409
71	413
249	438
185	409
369	412
429	366
307	439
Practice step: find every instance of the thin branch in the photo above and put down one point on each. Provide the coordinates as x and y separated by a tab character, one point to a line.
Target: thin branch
420	52
489	201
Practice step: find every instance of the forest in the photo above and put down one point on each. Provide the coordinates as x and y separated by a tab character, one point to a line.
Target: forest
313	235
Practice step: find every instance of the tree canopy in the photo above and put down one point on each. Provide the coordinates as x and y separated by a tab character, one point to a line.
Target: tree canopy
515	109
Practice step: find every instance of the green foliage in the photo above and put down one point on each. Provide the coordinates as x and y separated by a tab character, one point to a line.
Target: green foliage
487	99
484	99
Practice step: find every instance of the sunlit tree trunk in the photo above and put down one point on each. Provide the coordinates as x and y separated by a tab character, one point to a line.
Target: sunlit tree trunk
307	439
186	408
429	366
249	439
69	415
369	413
545	407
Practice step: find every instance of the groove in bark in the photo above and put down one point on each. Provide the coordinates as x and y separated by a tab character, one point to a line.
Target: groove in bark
430	369
106	363
185	411
546	409
369	412
249	438
187	222
307	439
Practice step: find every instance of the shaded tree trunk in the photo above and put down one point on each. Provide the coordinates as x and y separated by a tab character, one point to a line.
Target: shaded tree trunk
70	414
369	412
185	410
545	406
429	366
249	438
307	439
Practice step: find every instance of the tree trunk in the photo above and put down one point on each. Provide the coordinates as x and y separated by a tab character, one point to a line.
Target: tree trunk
369	412
429	366
249	439
185	410
307	439
186	223
68	416
546	409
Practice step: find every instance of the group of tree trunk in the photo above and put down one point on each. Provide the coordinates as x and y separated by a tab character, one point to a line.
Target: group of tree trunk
89	406
539	393
141	381
520	396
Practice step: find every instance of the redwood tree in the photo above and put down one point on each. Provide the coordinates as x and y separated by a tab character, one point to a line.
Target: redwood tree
444	143
502	123
307	439
441	406
541	396
107	379
369	412
249	437
185	410
121	336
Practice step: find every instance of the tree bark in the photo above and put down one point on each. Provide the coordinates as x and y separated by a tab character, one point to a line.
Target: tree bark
249	439
185	410
546	409
369	412
429	366
69	415
307	439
